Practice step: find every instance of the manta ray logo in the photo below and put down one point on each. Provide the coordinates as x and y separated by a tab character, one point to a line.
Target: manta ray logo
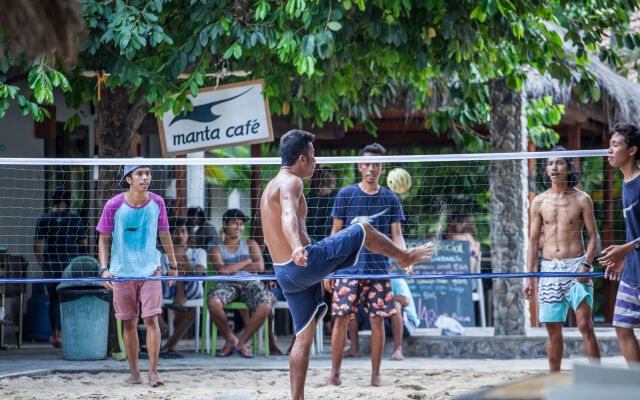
203	113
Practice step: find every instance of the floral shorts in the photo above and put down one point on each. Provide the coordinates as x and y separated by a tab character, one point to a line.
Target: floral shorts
375	295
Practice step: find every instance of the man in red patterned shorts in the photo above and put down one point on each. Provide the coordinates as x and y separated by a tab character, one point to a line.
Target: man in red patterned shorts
366	201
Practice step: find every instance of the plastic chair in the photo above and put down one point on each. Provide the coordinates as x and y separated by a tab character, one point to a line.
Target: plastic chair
207	324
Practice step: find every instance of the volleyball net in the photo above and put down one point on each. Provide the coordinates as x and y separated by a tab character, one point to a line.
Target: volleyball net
468	205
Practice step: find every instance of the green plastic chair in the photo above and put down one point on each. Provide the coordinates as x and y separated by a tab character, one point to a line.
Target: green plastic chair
236	305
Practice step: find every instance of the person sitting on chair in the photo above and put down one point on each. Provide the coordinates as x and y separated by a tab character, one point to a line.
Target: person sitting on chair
190	262
236	256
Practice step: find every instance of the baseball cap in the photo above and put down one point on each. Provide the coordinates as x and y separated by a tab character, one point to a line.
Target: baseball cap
127	170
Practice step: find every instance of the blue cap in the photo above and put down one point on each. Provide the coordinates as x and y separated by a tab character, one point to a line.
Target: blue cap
127	170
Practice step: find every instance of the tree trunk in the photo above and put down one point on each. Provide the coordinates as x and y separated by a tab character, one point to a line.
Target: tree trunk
508	206
118	121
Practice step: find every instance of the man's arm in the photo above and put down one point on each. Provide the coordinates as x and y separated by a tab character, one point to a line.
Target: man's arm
403	301
290	195
257	262
38	250
167	244
103	256
535	227
215	258
398	239
183	262
338	225
594	238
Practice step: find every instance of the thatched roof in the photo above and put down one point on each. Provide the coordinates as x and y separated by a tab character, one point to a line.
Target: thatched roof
619	96
36	27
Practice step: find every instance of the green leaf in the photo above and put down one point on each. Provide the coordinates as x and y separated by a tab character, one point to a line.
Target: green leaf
237	51
308	45
334	26
204	37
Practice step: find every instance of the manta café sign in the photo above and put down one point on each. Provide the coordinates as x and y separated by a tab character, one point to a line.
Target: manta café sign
223	116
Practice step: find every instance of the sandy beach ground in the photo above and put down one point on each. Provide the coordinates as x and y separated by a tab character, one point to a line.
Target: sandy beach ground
263	385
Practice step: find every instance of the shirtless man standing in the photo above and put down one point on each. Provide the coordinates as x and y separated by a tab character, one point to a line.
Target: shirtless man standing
557	218
300	266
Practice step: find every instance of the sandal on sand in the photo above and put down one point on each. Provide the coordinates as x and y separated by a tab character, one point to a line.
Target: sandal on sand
242	352
225	352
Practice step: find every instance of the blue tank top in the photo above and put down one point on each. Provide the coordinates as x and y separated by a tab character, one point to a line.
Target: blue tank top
242	253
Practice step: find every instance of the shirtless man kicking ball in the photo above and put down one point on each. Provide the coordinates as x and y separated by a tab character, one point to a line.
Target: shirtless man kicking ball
557	218
300	266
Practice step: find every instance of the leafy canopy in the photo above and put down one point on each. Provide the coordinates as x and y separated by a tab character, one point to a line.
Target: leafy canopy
333	60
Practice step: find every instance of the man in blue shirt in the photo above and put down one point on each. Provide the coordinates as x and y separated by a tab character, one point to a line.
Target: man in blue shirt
58	236
366	201
623	261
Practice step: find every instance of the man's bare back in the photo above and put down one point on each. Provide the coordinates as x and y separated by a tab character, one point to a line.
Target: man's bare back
284	185
560	220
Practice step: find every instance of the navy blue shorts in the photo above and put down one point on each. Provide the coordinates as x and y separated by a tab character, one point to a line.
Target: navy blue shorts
301	285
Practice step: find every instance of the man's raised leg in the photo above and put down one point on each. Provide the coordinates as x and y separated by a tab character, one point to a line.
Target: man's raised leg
299	360
378	243
153	349
585	325
554	345
130	337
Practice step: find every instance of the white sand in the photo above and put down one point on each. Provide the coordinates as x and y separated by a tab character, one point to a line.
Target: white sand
246	384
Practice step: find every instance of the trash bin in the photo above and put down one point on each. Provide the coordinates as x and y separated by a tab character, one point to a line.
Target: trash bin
84	309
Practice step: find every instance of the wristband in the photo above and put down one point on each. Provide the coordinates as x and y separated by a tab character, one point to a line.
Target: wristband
588	266
172	268
102	270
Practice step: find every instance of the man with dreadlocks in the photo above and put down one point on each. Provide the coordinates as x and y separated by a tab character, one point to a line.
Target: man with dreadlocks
557	218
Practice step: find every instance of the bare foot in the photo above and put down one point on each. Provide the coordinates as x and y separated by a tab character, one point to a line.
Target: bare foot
154	381
376	381
134	379
397	355
352	353
229	344
416	255
335	381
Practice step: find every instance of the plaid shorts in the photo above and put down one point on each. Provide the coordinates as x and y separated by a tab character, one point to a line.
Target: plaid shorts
375	295
252	293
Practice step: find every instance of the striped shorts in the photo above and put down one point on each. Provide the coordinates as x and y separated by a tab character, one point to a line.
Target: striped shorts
627	311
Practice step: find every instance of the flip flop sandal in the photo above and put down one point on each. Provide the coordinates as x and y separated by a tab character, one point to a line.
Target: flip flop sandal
225	352
242	352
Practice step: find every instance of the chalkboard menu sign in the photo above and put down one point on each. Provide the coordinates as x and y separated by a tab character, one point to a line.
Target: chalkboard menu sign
448	297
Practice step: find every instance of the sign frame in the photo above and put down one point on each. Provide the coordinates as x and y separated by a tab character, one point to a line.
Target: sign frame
260	81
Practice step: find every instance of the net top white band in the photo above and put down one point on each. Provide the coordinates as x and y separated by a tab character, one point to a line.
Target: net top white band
319	160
